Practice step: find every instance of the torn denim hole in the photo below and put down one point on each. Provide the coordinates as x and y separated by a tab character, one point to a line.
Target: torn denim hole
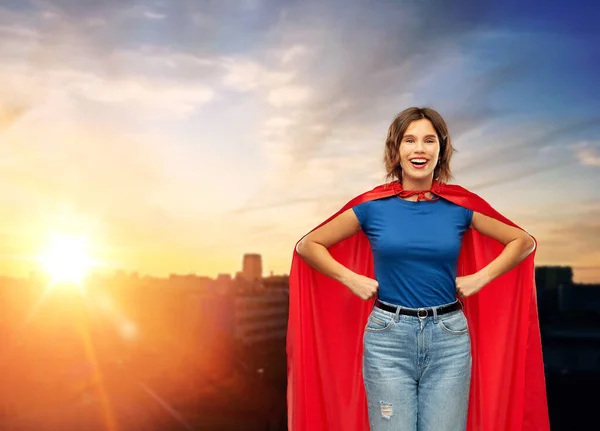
386	410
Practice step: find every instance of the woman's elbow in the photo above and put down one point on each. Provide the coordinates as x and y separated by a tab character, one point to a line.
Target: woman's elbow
528	244
301	247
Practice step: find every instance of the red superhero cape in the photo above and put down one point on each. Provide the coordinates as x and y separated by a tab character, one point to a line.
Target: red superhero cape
326	324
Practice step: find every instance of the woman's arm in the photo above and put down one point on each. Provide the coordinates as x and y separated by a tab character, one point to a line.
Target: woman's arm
518	245
313	249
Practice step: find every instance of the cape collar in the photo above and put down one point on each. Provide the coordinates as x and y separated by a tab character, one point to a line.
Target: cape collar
421	194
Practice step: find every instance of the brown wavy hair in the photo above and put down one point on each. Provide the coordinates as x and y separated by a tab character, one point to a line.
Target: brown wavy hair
396	132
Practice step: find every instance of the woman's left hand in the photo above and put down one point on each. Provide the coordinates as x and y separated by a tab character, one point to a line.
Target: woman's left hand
469	285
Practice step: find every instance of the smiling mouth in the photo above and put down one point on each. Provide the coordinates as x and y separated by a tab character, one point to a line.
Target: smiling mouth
419	163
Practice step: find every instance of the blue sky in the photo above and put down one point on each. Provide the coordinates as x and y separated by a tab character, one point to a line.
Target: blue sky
181	134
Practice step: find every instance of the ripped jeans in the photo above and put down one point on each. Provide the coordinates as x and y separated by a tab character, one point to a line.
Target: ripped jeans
417	371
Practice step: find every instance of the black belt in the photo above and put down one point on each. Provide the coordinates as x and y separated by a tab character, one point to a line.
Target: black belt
419	312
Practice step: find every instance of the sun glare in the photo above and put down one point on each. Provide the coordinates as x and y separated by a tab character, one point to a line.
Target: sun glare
66	260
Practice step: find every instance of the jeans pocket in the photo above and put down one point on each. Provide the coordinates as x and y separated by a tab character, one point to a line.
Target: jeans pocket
379	322
455	323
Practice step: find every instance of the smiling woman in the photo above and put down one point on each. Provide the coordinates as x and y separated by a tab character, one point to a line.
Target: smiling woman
66	260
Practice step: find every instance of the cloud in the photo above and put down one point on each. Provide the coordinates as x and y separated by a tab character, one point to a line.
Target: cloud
142	94
359	80
154	15
566	234
340	85
289	96
10	113
95	22
152	98
275	127
577	239
18	30
293	53
587	154
81	31
151	82
313	86
510	149
246	75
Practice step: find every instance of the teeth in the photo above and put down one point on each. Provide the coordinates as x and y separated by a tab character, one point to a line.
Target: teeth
419	160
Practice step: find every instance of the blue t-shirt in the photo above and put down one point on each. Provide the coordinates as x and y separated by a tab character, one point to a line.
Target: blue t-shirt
415	248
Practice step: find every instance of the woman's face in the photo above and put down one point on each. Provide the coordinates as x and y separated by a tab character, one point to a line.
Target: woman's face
419	150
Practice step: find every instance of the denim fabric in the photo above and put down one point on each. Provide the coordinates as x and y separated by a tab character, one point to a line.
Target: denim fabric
417	371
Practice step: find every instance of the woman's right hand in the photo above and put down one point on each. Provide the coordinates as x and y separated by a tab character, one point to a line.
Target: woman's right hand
363	287
314	249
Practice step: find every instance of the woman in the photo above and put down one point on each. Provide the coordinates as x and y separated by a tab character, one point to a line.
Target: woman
416	360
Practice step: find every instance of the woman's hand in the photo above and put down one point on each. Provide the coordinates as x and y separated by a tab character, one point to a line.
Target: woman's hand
363	287
469	284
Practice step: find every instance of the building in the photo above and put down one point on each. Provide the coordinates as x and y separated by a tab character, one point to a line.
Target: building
579	298
208	319
276	282
548	280
223	284
550	277
261	317
252	267
189	281
569	323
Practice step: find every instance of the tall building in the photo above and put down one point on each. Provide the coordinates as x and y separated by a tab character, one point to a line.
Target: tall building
252	267
548	281
550	277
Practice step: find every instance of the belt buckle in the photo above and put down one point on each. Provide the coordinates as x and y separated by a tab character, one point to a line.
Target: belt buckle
419	313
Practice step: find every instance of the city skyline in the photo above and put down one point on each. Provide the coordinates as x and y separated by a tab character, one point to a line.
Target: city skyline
249	270
175	136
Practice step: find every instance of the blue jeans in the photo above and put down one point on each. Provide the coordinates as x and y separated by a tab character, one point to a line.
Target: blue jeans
417	371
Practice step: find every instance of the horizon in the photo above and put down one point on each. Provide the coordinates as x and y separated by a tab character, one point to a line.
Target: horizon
115	272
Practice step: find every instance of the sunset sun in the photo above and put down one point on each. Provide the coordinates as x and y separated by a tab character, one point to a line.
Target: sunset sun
66	260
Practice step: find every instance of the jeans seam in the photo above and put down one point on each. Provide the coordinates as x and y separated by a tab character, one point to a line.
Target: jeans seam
389	325
451	331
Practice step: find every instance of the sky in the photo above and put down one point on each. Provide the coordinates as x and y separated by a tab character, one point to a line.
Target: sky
178	135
